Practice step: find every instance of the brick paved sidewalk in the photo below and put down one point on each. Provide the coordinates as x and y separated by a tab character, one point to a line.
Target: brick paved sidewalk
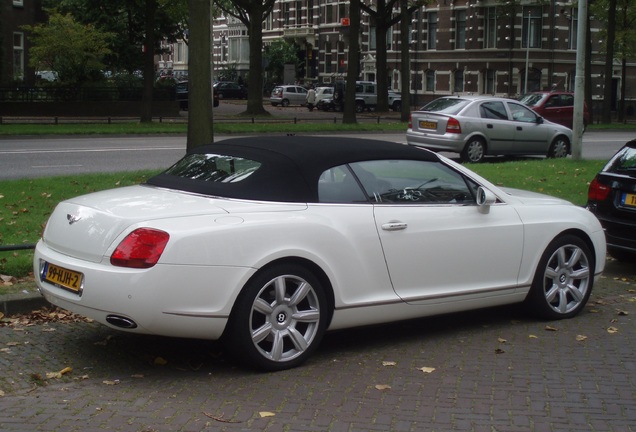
494	370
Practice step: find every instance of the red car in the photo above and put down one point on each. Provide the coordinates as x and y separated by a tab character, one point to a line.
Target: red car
557	107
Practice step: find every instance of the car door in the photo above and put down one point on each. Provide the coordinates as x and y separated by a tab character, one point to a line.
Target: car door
436	241
531	135
496	125
300	96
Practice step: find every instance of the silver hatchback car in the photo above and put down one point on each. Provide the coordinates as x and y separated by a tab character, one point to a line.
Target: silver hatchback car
476	126
288	95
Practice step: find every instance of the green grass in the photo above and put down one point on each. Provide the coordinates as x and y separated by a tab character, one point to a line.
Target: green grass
25	205
272	125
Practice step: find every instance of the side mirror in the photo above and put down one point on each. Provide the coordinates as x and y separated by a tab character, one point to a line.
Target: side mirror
539	120
485	199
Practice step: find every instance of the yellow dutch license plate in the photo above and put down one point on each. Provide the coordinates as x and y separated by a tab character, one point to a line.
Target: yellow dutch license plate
62	277
428	125
629	200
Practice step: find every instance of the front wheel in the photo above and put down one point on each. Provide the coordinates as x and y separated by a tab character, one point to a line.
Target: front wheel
279	318
397	106
563	281
360	107
559	148
474	151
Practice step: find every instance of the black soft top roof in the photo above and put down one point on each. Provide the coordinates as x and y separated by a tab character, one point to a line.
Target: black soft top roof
290	165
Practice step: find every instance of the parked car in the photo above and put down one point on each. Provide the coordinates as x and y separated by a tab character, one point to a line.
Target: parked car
181	89
323	93
267	242
612	198
558	107
288	95
230	90
366	98
476	126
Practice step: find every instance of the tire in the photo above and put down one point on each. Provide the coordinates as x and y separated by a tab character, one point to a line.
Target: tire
285	103
359	107
397	106
559	148
474	151
563	280
279	318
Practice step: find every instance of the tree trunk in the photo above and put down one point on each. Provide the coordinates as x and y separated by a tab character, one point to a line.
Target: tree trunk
255	79
405	66
353	63
149	61
200	130
382	74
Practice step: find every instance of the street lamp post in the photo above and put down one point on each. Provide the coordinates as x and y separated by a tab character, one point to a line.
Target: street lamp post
525	84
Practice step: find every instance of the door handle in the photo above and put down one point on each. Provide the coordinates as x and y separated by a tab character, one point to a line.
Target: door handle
519	128
489	126
394	226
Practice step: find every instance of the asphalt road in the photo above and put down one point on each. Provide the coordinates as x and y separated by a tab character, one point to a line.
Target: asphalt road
41	157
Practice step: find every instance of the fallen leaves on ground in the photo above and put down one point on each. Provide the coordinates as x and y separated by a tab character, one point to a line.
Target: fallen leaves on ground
581	338
550	328
389	363
41	316
383	387
57	375
426	369
221	419
266	414
612	330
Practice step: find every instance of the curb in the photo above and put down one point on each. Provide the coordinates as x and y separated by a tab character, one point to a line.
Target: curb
13	304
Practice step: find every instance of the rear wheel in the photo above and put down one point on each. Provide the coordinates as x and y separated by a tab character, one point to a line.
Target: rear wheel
285	102
359	107
397	106
559	148
563	281
474	151
279	318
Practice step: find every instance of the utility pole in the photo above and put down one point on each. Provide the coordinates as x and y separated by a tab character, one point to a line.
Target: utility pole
579	82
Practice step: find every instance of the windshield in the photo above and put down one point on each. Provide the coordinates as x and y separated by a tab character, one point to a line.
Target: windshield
531	99
446	105
625	161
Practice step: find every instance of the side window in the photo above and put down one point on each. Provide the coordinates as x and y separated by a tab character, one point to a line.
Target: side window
553	101
291	89
414	182
339	185
493	110
567	100
521	113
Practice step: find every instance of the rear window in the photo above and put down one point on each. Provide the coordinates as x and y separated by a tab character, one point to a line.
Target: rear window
531	99
446	106
625	160
213	168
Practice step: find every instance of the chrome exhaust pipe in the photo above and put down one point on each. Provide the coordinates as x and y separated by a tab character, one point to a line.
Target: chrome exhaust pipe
120	321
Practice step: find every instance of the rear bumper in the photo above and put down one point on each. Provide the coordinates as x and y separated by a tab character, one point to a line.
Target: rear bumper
447	142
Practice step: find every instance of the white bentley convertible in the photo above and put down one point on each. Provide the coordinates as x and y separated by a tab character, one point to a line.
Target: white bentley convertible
268	242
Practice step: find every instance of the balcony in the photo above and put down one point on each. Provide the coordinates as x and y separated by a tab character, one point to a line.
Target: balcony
300	34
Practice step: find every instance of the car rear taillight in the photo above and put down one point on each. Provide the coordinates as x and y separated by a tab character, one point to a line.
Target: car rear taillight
452	126
597	191
410	121
142	248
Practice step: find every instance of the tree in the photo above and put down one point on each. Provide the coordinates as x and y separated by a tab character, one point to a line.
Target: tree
278	54
349	115
200	130
252	13
385	18
129	20
73	50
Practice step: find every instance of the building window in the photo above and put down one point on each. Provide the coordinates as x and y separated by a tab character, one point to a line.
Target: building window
458	81
328	14
432	31
328	66
531	28
286	14
490	31
372	38
460	29
299	13
430	80
574	24
489	85
18	56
